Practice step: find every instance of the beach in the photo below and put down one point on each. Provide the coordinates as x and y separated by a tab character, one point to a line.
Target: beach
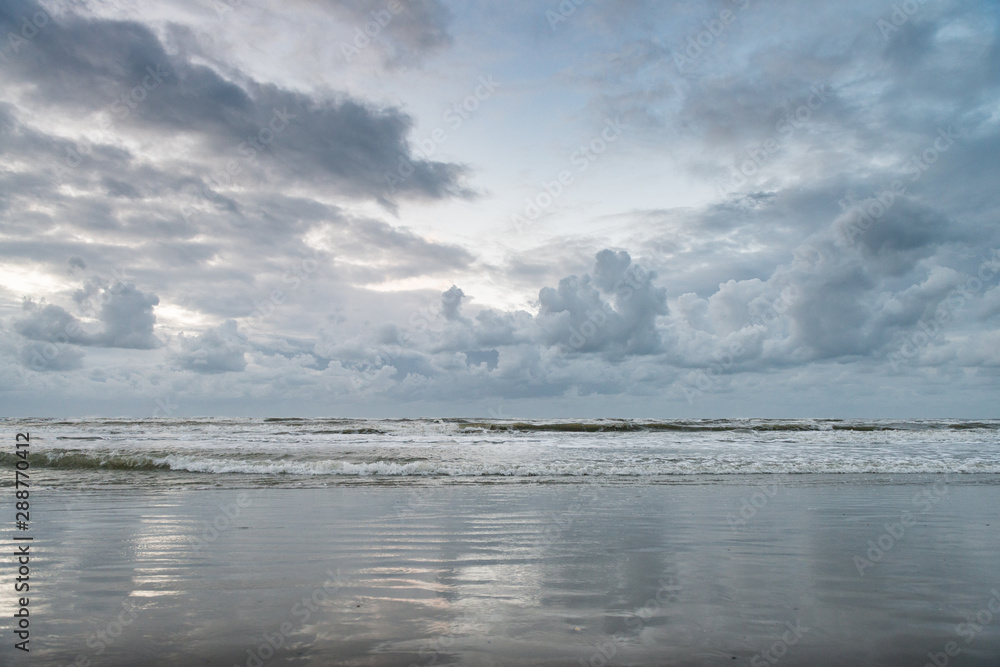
765	569
409	333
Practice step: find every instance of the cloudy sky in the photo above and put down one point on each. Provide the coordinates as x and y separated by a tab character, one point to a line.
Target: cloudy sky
520	208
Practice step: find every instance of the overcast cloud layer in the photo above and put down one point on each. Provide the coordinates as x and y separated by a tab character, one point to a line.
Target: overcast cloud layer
422	207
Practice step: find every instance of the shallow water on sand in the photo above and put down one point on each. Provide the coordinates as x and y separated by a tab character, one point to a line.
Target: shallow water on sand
519	574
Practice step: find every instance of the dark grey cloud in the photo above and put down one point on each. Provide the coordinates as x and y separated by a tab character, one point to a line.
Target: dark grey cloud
841	296
488	357
42	357
451	303
122	70
124	313
750	101
127	315
495	328
896	240
223	260
829	316
51	323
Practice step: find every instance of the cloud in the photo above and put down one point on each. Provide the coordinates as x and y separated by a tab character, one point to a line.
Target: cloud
243	171
50	357
831	301
125	313
218	350
120	74
577	315
51	323
894	241
393	252
404	38
451	302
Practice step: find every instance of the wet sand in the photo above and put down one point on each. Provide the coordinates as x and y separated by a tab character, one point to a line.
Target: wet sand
816	571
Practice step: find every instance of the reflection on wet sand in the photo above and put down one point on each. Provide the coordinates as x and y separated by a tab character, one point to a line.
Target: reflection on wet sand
529	574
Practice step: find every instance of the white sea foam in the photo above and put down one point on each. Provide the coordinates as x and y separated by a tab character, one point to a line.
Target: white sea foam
570	449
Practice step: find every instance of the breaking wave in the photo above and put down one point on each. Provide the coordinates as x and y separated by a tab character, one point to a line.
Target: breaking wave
273	451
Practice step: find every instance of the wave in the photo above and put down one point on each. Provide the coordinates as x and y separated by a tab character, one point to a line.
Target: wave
74	460
722	425
339	425
972	425
262	465
336	431
334	450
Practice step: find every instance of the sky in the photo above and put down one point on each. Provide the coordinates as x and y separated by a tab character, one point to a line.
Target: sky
575	208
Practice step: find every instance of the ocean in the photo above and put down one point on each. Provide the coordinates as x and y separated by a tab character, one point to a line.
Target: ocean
410	543
243	452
